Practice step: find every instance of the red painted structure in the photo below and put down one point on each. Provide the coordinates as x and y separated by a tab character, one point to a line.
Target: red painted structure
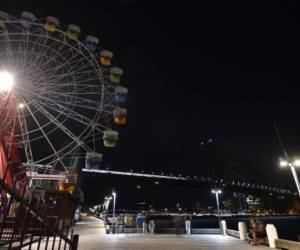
10	159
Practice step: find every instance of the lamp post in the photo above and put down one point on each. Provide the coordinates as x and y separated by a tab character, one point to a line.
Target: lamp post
114	194
106	203
217	192
292	163
6	81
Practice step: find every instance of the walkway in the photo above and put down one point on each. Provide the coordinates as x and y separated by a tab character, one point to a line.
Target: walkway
92	236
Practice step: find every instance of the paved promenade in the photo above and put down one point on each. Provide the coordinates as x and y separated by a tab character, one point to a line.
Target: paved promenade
92	236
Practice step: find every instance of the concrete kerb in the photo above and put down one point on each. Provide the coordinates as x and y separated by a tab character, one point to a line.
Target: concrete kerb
272	235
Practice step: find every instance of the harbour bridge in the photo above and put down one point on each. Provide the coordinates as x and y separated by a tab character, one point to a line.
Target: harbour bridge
235	174
196	180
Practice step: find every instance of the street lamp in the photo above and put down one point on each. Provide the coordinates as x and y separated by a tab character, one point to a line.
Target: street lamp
114	194
21	105
106	203
6	81
292	163
217	192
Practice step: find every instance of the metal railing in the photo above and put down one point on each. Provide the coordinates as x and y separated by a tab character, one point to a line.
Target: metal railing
28	220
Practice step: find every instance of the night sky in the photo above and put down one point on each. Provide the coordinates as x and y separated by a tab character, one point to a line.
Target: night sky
213	70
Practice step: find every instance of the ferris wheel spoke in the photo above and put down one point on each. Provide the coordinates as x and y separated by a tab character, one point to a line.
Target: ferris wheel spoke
8	47
71	113
77	64
77	100
61	53
83	74
75	97
71	59
10	53
86	104
46	137
44	45
15	56
38	41
25	46
40	57
44	65
78	85
50	71
25	136
51	45
81	105
79	118
73	62
61	126
66	150
79	75
64	154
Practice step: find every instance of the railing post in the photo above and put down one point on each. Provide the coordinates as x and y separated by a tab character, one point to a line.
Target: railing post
242	230
75	242
272	235
223	227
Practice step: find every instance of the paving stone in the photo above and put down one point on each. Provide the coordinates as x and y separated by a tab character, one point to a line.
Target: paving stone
92	236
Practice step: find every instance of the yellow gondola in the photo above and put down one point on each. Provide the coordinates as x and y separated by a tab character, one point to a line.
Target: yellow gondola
120	116
106	57
110	138
115	75
67	187
3	17
73	31
51	24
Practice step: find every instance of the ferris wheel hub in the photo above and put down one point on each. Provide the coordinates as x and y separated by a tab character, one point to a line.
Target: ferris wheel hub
6	81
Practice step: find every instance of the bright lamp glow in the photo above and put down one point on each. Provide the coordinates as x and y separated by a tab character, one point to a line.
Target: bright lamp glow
297	162
21	105
283	163
6	81
216	191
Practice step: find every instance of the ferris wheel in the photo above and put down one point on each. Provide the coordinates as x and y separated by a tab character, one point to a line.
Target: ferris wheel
59	91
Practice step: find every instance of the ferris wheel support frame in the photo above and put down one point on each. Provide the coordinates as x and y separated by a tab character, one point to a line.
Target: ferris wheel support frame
6	173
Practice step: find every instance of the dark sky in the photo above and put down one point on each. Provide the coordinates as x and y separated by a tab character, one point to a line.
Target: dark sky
216	69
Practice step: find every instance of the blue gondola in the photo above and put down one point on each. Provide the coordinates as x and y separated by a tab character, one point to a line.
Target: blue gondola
91	43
